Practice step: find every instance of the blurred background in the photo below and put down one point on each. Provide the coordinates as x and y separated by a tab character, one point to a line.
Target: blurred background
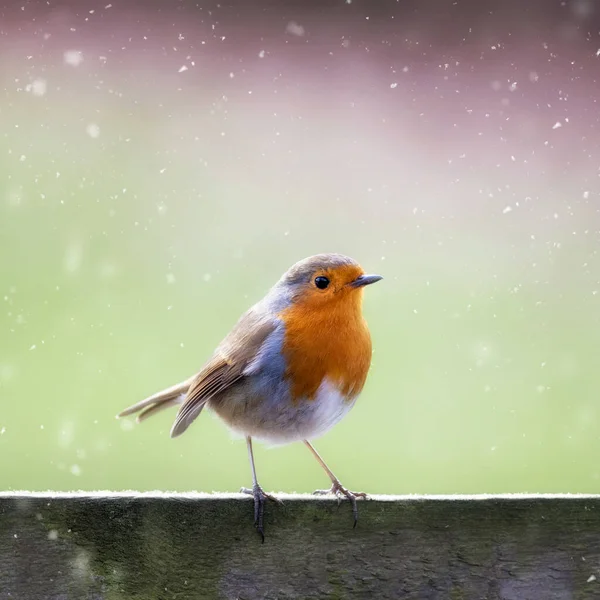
164	162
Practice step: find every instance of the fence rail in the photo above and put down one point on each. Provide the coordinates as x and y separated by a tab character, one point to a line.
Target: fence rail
152	546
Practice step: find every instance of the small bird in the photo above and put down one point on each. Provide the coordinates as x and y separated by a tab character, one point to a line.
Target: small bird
290	369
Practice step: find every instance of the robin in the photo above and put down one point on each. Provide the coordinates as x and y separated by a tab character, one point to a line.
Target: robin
290	369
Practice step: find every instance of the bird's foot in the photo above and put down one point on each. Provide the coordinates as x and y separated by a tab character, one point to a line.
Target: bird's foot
341	492
260	498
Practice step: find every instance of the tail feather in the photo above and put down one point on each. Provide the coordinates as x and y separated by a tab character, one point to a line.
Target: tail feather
154	408
158	401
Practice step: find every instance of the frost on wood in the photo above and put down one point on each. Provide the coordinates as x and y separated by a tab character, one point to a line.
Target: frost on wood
202	546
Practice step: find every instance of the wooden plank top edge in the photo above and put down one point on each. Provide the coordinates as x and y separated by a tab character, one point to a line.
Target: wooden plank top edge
109	494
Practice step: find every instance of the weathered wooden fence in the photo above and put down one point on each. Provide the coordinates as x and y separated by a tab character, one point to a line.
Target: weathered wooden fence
154	546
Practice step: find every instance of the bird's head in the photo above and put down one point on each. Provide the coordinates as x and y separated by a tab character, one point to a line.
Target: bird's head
325	280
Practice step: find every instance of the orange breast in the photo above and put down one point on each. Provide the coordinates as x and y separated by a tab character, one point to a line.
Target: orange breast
330	341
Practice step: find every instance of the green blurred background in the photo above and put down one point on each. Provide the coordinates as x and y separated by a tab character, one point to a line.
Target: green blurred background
162	167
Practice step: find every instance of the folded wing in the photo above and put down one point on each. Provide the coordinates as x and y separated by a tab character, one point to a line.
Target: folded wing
227	366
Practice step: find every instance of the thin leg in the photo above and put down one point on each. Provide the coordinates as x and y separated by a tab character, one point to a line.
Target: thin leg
336	487
251	459
259	496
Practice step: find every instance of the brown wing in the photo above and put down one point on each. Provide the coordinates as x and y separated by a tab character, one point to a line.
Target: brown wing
216	376
226	367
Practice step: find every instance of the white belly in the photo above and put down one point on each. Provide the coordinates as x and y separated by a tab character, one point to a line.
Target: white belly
327	409
282	421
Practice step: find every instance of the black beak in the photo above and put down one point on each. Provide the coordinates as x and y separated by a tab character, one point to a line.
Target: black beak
365	280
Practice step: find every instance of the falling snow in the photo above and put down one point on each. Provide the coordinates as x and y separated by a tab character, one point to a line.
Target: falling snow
73	257
73	57
66	434
93	130
37	87
7	372
126	425
294	28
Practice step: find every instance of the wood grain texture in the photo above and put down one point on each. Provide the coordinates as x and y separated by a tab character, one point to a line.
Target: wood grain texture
154	547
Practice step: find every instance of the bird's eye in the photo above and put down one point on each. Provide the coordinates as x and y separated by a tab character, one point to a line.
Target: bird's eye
321	282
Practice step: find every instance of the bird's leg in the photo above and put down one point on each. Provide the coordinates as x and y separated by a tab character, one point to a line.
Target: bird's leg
336	487
259	496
